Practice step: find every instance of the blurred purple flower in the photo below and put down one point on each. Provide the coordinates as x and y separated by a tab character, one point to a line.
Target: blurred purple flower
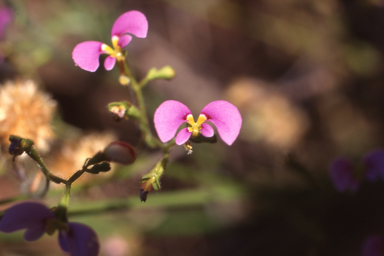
86	54
343	176
171	114
6	16
374	165
373	246
28	215
36	218
79	240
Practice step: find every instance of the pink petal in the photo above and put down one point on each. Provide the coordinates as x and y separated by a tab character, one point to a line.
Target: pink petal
80	240
25	215
124	40
342	175
183	136
132	22
168	118
207	130
226	117
86	55
109	62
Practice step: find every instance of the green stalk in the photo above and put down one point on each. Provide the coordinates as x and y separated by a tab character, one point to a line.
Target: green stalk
32	152
143	121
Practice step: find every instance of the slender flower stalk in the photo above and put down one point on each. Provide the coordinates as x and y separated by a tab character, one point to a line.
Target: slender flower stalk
143	121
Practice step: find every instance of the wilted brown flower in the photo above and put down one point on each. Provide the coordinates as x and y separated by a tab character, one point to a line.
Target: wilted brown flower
25	111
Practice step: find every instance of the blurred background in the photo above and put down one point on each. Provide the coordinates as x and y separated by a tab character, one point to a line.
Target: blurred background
306	75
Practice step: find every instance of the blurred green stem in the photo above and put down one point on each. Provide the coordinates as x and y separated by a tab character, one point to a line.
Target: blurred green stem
143	121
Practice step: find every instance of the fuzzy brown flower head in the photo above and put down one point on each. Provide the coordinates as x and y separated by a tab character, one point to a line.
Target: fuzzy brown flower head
26	111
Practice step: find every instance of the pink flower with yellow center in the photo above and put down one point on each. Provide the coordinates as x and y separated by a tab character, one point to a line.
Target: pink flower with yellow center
86	54
171	114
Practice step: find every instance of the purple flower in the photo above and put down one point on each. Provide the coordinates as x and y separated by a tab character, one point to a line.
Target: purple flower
36	218
373	246
79	240
28	215
171	114
343	176
346	176
374	165
86	54
6	16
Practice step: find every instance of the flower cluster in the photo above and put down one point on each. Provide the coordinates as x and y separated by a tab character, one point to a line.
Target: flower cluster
347	177
75	238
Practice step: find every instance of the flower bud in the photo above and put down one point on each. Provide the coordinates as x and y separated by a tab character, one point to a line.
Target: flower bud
19	145
124	80
120	152
166	72
15	147
152	179
101	167
123	110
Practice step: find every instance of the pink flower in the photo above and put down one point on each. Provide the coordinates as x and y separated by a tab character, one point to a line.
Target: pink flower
171	114
36	218
86	54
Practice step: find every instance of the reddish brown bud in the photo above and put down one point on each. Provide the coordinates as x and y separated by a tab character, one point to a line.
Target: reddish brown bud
120	152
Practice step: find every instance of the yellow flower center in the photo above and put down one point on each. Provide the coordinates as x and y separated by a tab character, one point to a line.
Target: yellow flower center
116	51
195	128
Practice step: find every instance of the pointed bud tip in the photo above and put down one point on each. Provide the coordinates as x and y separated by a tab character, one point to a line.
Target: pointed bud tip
166	72
143	195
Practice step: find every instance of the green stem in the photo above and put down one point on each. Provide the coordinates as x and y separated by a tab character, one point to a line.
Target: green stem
32	152
143	121
13	199
62	208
